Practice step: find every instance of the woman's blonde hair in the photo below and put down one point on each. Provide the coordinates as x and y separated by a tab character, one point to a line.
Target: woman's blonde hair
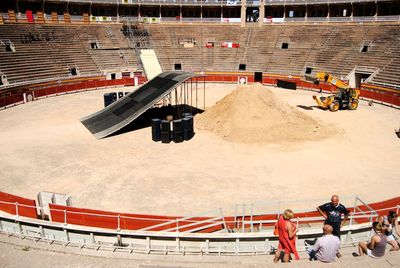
288	214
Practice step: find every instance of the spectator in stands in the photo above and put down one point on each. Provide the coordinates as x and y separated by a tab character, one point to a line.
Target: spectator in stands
326	248
390	227
332	212
287	237
376	247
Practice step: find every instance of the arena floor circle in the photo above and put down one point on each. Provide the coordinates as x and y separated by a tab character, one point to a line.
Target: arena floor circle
46	148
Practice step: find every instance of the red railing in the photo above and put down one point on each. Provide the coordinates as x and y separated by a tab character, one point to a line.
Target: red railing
18	205
377	93
37	91
113	220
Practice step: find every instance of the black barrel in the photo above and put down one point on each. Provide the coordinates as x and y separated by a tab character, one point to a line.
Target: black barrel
186	128
114	96
120	94
186	115
107	99
191	126
177	130
156	129
165	131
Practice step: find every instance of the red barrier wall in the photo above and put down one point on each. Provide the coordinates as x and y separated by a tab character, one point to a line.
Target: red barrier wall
22	203
101	219
140	221
75	216
11	99
269	80
377	93
81	86
53	88
380	94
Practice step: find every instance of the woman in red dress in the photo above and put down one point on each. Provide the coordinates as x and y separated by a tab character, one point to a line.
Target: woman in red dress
287	237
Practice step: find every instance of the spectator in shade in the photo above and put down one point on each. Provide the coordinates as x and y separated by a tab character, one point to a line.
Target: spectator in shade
332	212
325	248
376	247
287	237
390	227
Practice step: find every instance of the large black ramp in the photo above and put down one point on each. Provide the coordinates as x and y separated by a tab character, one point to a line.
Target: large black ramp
122	112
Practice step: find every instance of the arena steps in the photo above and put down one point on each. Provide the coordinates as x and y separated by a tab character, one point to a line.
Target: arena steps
335	49
86	253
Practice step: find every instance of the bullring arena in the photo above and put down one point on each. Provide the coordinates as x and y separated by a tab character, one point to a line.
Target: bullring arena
258	148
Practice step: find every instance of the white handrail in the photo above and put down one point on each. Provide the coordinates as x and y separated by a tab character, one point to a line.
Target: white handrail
118	216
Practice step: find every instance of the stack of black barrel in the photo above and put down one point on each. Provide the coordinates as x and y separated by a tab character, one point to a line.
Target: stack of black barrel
111	97
176	130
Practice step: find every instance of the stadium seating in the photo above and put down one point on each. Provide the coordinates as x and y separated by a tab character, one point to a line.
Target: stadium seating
333	48
48	51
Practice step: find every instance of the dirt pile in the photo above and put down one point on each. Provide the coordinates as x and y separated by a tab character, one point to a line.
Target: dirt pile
253	114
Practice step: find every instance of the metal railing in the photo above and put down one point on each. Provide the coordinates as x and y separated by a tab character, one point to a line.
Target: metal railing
229	2
385	84
123	18
45	80
181	243
313	2
239	220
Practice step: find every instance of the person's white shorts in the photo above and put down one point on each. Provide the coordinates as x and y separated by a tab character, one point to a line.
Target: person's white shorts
390	238
369	253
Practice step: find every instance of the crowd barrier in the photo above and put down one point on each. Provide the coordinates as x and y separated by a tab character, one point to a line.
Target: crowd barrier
15	205
34	91
380	94
376	93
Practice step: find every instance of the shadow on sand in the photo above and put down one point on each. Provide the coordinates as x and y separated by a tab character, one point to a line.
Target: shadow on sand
144	120
306	107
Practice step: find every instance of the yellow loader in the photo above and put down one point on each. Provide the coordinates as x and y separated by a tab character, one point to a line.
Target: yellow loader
345	98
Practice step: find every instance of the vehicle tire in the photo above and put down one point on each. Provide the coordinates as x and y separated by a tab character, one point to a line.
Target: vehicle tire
353	104
334	106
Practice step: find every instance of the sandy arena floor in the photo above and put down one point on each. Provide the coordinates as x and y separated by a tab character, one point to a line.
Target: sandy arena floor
45	147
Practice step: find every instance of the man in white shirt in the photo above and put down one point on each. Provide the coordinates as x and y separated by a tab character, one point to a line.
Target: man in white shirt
326	247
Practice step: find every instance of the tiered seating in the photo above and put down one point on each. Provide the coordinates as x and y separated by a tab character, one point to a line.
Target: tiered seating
389	74
331	47
335	48
165	40
48	51
70	49
341	51
113	50
32	59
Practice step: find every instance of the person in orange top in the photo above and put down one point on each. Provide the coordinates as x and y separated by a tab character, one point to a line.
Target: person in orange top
287	237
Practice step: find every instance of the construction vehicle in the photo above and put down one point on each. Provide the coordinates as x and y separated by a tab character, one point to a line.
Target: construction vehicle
345	98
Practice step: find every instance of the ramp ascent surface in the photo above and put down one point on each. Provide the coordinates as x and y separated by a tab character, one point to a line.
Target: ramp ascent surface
122	112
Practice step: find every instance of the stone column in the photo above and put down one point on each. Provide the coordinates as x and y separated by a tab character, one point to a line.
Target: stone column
261	13
352	11
243	14
329	12
306	13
